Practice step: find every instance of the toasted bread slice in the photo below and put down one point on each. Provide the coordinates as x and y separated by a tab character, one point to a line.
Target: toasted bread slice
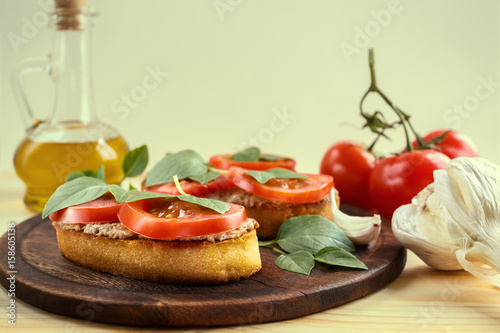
197	261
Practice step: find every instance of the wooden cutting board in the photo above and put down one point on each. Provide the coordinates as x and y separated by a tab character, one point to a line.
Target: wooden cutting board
49	281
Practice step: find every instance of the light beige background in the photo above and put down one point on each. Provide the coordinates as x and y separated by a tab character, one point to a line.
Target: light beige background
236	66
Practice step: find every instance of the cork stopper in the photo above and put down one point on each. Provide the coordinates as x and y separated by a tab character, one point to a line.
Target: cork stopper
68	4
69	13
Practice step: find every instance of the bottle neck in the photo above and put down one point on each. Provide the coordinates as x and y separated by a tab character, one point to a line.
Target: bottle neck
72	72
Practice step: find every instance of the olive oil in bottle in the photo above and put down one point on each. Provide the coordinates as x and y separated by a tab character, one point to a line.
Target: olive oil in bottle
43	166
72	138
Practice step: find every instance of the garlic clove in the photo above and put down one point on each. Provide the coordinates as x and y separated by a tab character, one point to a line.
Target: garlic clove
361	230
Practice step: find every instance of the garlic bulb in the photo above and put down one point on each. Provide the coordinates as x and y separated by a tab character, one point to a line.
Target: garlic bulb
454	223
361	230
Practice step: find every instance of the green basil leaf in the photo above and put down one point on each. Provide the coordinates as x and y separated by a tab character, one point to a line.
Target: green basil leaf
219	206
264	176
77	174
270	157
99	173
205	178
148	195
311	233
75	192
251	154
268	242
184	164
333	255
135	161
120	193
298	262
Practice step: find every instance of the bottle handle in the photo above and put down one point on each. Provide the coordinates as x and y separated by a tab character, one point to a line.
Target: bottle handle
30	65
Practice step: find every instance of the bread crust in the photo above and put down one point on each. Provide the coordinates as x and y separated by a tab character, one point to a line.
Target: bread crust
176	262
273	214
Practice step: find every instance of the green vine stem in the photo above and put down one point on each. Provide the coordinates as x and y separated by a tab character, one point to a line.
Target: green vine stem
377	122
401	118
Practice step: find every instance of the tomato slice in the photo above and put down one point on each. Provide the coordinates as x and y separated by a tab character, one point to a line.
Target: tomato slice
101	210
314	189
193	187
225	162
169	219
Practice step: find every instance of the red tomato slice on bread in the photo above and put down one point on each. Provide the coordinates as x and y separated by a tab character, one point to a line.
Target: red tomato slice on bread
225	162
314	189
169	219
193	187
101	210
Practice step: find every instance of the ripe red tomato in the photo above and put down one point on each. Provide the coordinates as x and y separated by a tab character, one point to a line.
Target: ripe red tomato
169	219
314	189
101	210
350	166
225	162
395	180
193	187
454	144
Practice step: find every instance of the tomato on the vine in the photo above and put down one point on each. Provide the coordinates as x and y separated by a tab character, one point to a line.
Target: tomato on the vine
350	166
395	180
454	143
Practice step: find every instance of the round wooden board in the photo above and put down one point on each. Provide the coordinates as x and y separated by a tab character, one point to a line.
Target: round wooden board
49	281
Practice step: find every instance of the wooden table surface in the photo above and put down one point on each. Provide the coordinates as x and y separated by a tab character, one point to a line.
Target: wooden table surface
421	299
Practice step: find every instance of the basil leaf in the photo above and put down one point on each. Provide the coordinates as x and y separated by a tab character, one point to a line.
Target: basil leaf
77	174
99	173
205	178
311	233
135	161
251	154
75	192
219	206
264	176
270	157
298	262
148	195
336	256
184	164
120	193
